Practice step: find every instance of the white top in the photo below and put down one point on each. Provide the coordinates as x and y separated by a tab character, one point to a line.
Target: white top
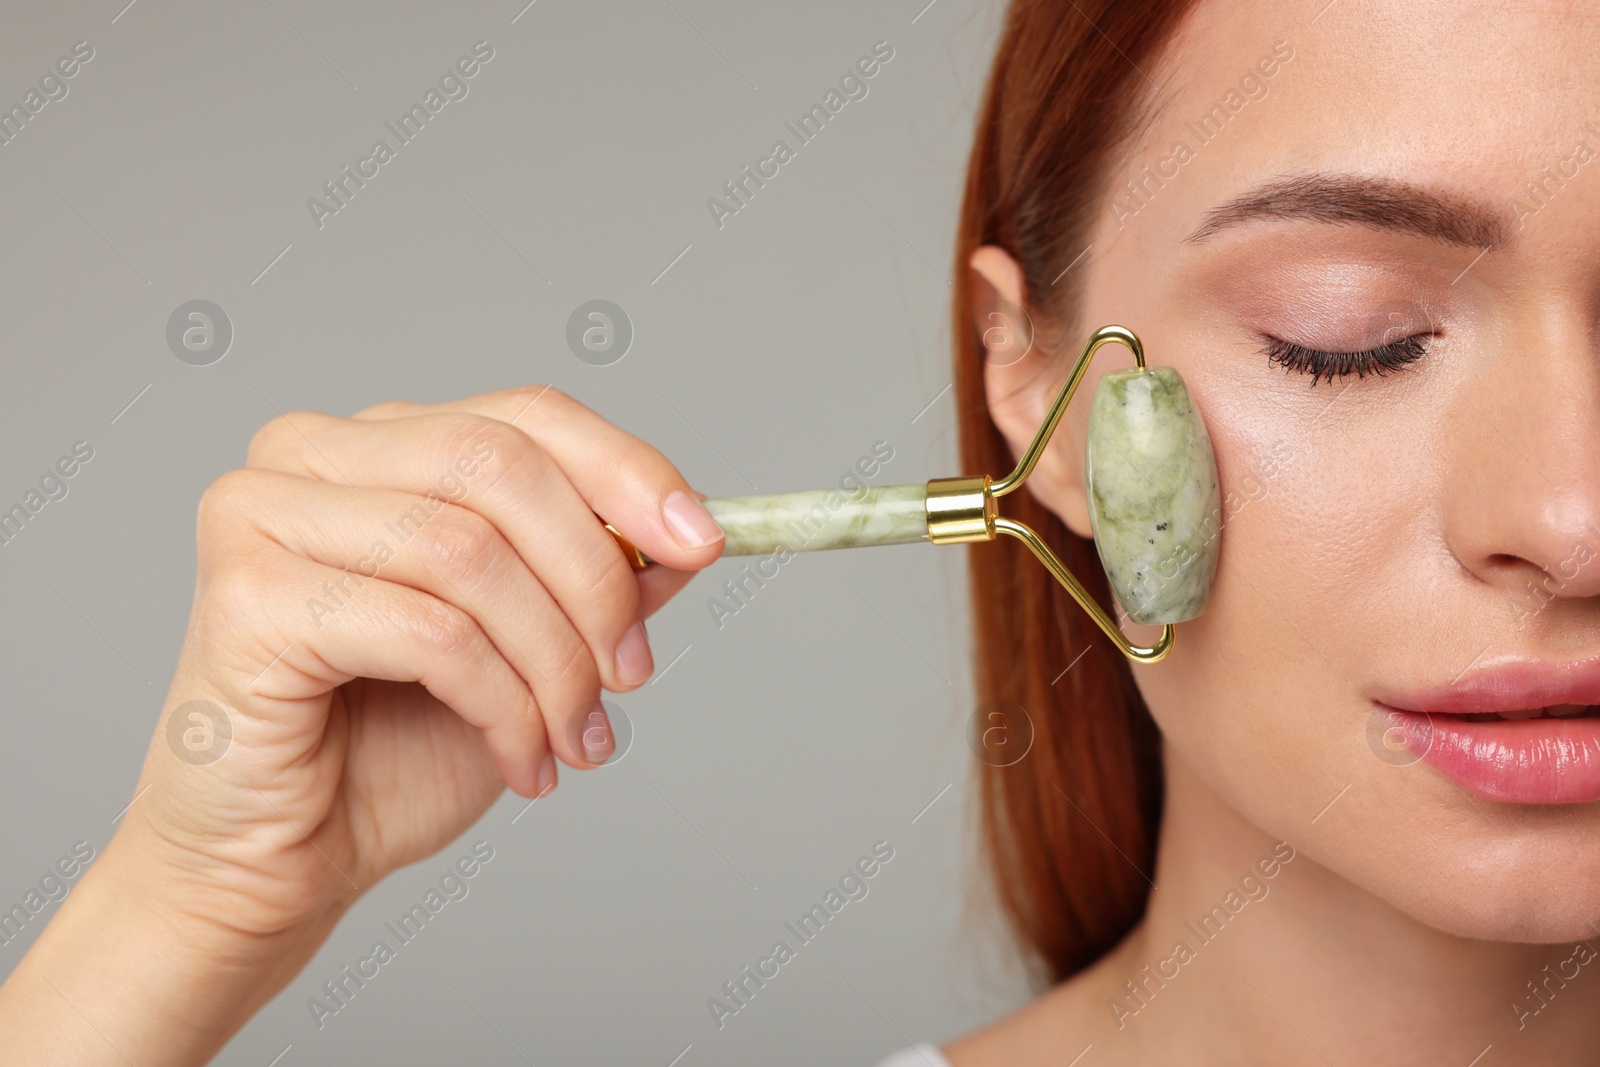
917	1056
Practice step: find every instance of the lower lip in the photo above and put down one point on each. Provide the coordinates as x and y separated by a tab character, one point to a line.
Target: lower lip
1518	761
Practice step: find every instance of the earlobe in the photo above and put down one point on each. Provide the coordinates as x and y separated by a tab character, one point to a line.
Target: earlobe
1020	385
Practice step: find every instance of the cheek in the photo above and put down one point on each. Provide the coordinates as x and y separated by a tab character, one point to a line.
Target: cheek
1255	697
1316	536
1251	697
1334	577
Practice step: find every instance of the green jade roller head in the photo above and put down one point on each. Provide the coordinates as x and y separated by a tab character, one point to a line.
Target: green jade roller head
1154	502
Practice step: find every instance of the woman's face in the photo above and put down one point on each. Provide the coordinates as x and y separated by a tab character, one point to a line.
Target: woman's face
1423	176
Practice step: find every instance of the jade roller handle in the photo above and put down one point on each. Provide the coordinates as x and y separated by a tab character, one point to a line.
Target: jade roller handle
816	519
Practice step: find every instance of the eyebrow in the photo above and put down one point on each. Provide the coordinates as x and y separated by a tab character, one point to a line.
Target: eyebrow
1375	202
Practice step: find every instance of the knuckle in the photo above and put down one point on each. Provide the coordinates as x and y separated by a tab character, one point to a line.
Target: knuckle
387	409
496	449
549	394
239	588
267	442
281	439
225	496
531	395
461	543
646	468
646	476
445	631
573	668
609	581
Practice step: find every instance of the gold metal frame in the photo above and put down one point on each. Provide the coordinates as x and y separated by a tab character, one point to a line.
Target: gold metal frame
636	559
966	509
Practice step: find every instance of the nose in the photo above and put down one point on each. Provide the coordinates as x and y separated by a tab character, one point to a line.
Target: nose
1525	468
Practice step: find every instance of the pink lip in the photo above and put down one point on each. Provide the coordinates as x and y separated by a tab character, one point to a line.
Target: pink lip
1521	761
1515	685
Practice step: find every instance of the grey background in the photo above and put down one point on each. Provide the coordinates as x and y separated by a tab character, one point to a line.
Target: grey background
770	356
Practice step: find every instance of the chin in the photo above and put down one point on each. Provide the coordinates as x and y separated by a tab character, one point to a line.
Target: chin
1494	872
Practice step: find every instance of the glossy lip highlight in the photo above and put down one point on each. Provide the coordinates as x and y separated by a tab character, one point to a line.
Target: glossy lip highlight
1520	761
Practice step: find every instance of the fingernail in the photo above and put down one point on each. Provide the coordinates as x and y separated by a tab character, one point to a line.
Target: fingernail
545	780
596	737
633	661
691	525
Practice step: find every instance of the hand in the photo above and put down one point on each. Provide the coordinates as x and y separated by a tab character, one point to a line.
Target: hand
395	616
399	613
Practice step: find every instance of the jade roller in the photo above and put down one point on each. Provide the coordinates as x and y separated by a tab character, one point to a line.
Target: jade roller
1154	503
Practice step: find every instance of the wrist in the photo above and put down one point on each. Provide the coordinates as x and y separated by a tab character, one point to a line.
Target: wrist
127	972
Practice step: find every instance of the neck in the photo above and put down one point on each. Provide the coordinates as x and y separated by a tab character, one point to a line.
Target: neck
1255	953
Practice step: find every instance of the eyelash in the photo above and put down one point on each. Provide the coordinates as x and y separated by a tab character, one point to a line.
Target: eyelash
1330	365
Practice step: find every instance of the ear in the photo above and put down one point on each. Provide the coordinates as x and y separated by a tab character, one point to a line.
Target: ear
1021	378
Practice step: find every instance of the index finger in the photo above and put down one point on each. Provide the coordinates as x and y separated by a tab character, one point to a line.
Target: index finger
623	479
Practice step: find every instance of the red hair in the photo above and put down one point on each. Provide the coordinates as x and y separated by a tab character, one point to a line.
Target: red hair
1069	832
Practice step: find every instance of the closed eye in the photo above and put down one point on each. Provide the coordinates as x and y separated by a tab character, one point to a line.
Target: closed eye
1330	365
